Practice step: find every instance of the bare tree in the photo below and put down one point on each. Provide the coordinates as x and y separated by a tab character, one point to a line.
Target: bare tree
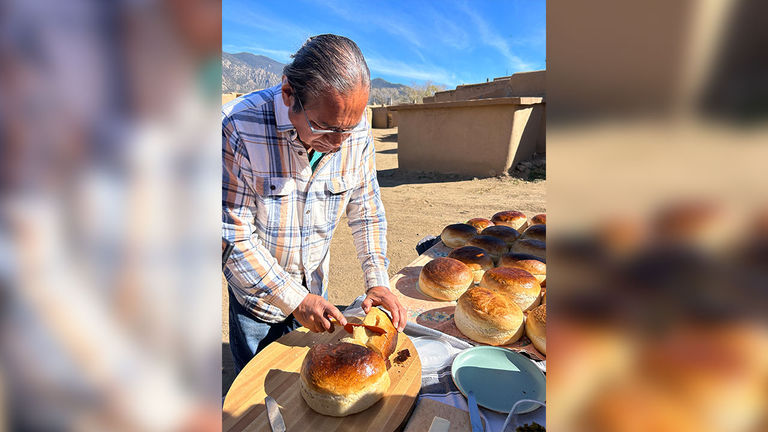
417	92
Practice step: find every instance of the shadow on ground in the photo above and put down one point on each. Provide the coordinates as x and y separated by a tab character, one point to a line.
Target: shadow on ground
390	151
388	138
396	177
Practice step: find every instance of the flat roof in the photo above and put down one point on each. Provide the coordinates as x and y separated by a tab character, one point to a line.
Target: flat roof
471	102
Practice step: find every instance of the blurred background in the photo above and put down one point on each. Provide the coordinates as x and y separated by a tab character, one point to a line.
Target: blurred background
658	251
110	224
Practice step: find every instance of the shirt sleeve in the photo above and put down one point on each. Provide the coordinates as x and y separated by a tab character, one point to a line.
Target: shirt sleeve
251	268
365	213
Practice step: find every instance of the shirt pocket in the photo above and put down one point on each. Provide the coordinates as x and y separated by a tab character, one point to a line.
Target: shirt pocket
278	186
340	185
276	201
337	193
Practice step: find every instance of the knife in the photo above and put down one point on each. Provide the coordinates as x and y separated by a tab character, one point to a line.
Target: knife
348	327
273	414
474	414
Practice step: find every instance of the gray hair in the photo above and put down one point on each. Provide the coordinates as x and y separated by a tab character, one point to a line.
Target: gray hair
326	62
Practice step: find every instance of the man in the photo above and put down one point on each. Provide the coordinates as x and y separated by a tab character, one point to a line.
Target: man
296	156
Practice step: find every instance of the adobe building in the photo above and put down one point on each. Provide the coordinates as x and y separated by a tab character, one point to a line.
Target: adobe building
383	117
477	129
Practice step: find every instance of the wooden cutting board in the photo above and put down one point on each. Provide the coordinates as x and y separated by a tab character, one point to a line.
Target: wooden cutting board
275	371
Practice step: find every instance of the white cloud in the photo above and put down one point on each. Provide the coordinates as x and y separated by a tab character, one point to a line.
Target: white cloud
489	37
446	30
390	23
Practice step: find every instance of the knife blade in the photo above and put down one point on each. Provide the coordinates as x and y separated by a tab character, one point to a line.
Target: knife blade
273	414
348	327
474	413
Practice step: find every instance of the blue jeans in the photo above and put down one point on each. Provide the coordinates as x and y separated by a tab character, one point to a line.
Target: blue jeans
248	335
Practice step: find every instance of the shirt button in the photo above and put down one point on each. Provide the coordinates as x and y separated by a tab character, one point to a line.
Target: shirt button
307	211
301	152
272	187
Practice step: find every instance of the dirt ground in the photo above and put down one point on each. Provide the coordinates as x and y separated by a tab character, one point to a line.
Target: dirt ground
417	205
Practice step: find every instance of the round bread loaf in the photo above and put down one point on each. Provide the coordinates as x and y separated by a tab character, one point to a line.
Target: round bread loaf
479	224
519	285
493	245
539	219
457	235
512	219
536	327
529	263
537	248
488	316
477	259
445	278
342	378
505	233
536	232
383	344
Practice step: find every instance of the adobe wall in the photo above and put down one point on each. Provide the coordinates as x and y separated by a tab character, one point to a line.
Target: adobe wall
518	85
383	118
478	138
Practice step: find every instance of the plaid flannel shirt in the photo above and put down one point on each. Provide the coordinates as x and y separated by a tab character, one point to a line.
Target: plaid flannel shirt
280	216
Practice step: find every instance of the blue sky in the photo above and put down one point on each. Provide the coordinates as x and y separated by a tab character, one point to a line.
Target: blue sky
446	42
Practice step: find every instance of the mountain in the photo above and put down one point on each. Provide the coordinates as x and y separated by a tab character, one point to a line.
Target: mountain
245	72
382	83
385	92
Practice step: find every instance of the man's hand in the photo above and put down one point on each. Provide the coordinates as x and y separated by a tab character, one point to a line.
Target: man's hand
314	313
381	296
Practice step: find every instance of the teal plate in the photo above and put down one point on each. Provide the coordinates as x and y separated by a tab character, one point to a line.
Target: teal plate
499	378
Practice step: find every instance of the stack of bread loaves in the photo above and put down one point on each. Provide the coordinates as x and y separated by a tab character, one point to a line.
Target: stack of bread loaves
507	300
347	377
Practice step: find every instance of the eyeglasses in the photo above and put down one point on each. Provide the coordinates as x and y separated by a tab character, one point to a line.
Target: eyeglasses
360	127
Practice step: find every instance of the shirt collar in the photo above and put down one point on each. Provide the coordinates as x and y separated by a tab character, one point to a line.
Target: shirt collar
281	111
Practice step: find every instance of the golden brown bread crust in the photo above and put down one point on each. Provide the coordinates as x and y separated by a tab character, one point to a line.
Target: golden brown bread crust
539	314
493	245
488	316
529	263
477	259
510	277
447	270
522	287
479	224
536	232
474	257
386	343
536	327
502	232
491	307
457	235
341	368
510	218
530	246
445	278
539	219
